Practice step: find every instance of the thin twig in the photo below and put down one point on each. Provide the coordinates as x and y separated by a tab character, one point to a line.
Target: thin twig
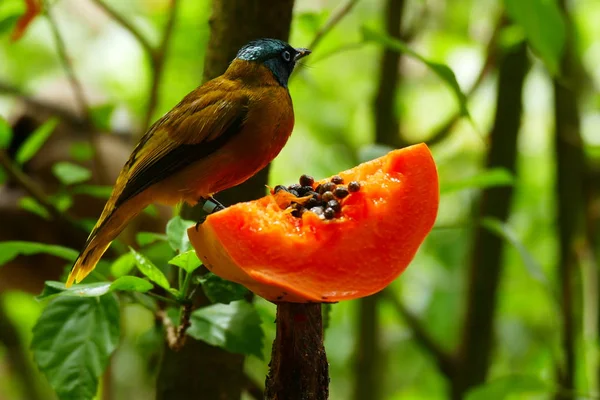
32	188
333	20
67	65
126	25
176	335
444	360
491	54
158	62
64	114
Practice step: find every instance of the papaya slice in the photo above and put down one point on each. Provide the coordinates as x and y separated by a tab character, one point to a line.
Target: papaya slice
307	258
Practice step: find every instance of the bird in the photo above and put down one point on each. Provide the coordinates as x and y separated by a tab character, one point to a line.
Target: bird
218	136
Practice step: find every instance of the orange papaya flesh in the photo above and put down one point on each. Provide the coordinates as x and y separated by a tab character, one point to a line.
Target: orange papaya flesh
308	259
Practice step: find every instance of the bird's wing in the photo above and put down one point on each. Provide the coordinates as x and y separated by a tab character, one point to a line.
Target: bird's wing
194	129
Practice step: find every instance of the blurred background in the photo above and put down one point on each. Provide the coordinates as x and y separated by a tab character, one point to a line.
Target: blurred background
501	300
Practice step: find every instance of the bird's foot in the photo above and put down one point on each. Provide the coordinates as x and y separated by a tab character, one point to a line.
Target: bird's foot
209	206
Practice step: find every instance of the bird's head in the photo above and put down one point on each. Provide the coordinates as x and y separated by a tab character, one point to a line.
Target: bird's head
275	54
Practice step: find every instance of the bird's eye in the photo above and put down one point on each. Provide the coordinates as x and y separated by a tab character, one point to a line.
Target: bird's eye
286	55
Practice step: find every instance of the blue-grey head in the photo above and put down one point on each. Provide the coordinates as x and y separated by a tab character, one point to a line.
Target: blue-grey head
275	54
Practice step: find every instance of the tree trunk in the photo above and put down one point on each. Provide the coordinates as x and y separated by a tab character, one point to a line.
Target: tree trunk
368	355
201	371
570	171
486	260
298	368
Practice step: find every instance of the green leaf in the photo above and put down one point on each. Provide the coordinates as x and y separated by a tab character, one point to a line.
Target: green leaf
62	201
131	284
10	250
150	270
101	115
35	142
151	210
234	327
485	179
122	265
123	284
441	70
30	204
101	192
177	234
501	229
146	238
188	261
81	151
5	134
69	173
544	28
516	385
219	290
72	343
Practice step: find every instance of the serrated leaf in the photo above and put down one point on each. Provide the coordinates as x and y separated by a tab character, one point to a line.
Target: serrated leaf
122	265
501	229
30	204
72	343
235	327
506	386
150	270
441	70
5	134
35	142
69	173
10	250
177	234
544	28
123	284
188	261
219	290
485	179
101	192
146	238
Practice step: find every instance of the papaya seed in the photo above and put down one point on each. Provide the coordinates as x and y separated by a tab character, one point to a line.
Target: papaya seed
329	213
337	179
279	188
353	187
335	205
307	180
328	187
340	192
327	196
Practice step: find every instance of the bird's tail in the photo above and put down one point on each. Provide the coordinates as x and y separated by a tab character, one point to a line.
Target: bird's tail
111	223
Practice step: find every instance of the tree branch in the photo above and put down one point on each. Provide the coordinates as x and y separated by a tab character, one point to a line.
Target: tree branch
298	369
570	205
486	259
444	360
32	188
111	12
67	65
444	129
64	114
333	20
158	61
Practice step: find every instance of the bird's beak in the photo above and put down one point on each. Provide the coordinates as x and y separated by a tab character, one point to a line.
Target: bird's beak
301	53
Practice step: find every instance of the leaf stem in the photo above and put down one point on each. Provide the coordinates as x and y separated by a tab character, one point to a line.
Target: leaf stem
163	298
